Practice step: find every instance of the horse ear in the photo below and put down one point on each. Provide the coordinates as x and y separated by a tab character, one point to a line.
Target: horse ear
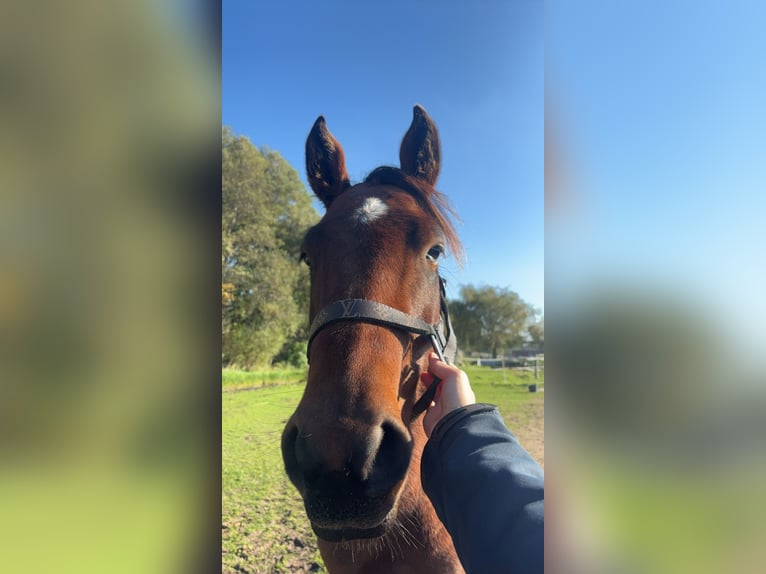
325	163
419	155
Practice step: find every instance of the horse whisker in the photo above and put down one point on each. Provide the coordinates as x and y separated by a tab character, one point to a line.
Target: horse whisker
408	536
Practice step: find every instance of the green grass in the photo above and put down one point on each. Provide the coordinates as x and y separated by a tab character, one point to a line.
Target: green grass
262	512
234	379
511	377
521	409
264	524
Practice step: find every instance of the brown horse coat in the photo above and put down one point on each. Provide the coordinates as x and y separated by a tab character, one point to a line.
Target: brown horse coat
351	448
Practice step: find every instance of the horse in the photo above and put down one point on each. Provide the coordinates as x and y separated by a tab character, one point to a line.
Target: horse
352	447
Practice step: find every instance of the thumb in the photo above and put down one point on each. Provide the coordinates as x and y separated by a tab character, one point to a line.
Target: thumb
439	368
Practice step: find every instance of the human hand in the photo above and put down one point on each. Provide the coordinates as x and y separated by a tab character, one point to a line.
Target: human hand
454	391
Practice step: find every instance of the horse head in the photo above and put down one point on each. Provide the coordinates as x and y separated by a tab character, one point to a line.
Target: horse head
352	448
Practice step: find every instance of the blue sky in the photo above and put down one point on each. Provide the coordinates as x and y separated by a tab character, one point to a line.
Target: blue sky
662	113
476	67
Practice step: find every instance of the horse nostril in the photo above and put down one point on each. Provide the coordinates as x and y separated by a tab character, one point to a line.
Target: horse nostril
391	460
288	441
370	463
293	454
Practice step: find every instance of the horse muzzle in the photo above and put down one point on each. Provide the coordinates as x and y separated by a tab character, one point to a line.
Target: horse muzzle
350	518
350	478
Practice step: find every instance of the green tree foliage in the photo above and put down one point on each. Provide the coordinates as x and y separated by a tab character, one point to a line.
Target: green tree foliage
264	293
536	332
490	318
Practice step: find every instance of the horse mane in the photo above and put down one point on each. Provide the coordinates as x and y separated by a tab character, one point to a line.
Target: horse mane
432	201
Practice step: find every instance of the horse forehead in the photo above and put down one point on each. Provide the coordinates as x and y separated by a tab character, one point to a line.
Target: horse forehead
371	209
367	204
367	218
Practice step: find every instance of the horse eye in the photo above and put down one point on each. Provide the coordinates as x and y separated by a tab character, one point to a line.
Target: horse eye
434	253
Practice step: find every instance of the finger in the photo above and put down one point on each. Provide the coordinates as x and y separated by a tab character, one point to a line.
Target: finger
427	379
439	368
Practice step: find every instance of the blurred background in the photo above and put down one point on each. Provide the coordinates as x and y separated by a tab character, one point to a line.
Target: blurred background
109	250
654	286
109	262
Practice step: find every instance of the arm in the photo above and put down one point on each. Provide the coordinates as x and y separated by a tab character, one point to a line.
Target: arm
486	489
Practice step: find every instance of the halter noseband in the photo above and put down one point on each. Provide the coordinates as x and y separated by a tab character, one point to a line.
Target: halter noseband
363	310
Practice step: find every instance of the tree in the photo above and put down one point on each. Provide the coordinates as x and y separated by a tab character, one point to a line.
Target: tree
536	332
265	212
489	318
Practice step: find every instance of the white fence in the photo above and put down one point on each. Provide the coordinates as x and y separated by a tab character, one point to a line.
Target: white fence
534	363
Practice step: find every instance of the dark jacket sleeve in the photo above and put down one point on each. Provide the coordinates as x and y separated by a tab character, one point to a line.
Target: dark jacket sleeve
487	490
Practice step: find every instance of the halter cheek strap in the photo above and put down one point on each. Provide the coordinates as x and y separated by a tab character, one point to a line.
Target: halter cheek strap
363	310
447	354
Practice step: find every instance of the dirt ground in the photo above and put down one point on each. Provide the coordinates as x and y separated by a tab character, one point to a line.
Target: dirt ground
531	432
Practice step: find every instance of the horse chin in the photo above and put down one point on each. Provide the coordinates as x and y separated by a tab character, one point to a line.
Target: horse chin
347	534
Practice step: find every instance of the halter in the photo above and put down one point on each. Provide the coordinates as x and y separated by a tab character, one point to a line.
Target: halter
363	310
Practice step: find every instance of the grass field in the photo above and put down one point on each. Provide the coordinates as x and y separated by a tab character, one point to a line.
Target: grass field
236	380
264	526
